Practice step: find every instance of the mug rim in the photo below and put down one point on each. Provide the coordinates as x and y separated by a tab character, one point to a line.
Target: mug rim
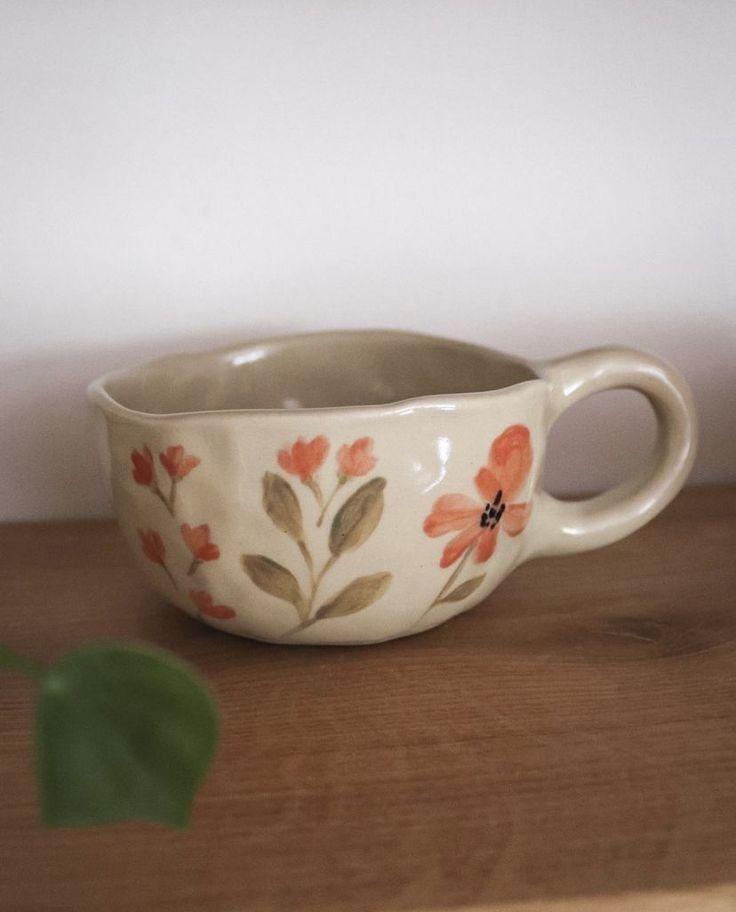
97	393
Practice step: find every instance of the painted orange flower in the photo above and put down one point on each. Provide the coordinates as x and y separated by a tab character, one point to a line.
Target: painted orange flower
155	550
478	524
153	546
178	463
197	539
304	458
357	458
142	467
205	605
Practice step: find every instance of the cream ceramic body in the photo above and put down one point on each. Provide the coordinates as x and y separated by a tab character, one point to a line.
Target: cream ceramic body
209	428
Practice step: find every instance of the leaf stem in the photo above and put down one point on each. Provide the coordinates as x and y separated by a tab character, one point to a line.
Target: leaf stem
316	582
13	661
172	495
307	558
168	573
157	491
450	581
341	479
299	627
304	609
314	487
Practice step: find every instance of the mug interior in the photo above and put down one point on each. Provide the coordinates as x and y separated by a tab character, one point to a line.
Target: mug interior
324	370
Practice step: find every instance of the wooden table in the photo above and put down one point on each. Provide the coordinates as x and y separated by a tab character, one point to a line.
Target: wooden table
571	740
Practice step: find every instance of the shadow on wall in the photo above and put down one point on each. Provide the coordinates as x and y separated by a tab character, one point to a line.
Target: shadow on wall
49	466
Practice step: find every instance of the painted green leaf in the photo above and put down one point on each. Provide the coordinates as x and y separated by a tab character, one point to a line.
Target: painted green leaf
282	505
463	590
357	518
122	733
356	596
274	579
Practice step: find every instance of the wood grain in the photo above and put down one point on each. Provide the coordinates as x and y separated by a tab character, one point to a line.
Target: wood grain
573	737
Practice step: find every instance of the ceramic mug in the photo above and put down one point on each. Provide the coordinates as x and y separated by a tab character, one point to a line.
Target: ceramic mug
353	487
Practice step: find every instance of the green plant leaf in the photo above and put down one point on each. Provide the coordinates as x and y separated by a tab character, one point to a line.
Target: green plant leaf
357	518
356	596
274	579
122	733
463	590
282	506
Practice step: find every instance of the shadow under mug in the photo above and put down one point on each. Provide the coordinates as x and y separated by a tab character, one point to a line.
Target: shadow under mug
353	487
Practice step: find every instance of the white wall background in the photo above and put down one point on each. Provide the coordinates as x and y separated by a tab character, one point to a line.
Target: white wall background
538	176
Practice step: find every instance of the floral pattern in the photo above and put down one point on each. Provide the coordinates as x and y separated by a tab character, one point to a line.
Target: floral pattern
304	458
197	539
178	464
153	547
474	524
477	524
205	605
143	467
356	459
352	524
353	461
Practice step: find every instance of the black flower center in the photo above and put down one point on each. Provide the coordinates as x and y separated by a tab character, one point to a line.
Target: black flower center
491	516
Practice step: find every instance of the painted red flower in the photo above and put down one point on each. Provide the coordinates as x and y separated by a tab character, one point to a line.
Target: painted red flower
206	606
478	524
178	463
197	539
153	546
142	467
357	458
304	458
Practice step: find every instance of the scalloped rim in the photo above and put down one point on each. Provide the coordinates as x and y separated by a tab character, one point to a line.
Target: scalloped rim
98	395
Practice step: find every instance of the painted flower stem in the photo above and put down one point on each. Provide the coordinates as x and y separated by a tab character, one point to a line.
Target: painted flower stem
303	625
193	566
316	490
159	493
307	559
320	576
341	479
168	573
172	495
315	581
12	661
352	525
448	585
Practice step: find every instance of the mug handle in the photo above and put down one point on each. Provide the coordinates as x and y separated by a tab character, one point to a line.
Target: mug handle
565	527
